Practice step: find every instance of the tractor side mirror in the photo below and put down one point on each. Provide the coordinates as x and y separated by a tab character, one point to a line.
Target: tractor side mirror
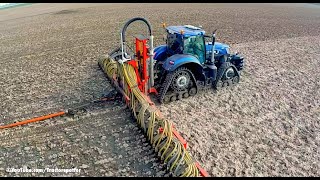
213	41
214	36
214	32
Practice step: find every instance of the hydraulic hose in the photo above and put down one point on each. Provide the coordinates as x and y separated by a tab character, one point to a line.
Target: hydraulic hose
61	113
123	31
41	118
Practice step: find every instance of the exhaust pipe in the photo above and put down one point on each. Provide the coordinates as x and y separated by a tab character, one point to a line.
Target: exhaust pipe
151	63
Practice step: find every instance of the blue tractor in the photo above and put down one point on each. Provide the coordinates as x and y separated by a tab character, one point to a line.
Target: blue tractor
183	66
189	63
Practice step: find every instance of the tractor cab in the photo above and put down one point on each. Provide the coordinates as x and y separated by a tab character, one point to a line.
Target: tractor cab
186	39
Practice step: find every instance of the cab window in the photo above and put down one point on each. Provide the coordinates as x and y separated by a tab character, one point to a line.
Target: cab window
194	45
174	42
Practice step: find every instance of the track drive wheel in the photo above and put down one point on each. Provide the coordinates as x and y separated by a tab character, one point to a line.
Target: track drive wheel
181	79
229	77
180	83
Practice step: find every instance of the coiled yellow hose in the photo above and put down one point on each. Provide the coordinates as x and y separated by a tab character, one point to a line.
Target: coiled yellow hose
168	147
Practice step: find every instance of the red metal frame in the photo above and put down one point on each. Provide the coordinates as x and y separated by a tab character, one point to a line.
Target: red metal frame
141	63
153	90
178	136
203	172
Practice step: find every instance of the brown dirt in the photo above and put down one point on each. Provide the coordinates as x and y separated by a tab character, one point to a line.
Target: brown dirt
268	125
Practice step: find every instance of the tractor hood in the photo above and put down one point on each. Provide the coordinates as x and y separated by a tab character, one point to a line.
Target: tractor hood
160	52
221	48
220	45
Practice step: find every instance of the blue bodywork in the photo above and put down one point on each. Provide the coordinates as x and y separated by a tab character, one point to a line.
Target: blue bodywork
220	48
171	61
179	59
160	53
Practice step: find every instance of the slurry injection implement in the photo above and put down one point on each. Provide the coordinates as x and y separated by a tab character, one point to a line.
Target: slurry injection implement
173	71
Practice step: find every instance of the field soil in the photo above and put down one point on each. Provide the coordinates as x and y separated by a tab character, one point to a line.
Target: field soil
267	125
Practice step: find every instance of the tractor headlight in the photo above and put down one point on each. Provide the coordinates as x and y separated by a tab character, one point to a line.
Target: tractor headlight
228	50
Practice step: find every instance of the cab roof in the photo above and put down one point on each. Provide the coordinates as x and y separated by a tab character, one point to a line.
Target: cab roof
188	30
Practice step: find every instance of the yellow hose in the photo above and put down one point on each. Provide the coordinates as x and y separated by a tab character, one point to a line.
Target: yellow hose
165	143
176	160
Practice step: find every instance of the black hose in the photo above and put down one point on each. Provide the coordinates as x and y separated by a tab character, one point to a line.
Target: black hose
131	21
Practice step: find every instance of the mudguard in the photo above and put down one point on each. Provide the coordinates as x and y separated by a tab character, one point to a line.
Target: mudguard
238	61
160	53
177	60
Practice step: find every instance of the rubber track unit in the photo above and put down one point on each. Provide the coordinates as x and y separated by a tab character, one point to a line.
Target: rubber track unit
168	80
221	72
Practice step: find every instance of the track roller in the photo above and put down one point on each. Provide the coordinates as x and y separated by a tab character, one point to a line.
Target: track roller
173	98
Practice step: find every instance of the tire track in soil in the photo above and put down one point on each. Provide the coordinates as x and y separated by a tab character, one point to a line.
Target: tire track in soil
106	142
